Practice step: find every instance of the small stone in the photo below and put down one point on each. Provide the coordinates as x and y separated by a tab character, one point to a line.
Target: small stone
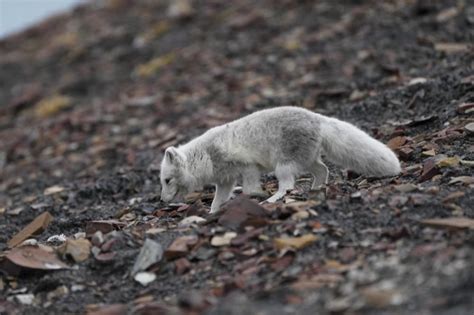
25	299
191	220
469	128
150	254
406	187
145	278
223	240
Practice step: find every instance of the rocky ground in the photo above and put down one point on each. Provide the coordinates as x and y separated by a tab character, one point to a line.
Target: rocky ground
90	99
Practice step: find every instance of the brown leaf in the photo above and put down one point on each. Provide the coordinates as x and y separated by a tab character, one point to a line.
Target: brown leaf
32	257
396	142
294	242
51	105
450	223
244	238
38	225
429	170
405	153
282	263
381	298
182	265
242	212
181	246
452	196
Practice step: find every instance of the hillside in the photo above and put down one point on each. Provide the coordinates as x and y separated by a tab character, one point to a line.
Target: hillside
90	99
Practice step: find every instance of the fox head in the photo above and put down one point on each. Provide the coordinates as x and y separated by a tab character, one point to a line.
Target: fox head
175	181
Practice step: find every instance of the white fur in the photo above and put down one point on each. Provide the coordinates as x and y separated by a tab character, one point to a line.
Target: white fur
286	140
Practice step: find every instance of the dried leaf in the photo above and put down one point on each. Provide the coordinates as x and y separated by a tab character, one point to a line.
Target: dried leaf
429	152
396	142
181	246
454	223
112	309
152	66
294	242
448	162
242	212
32	257
408	187
429	170
381	298
52	105
317	281
466	180
447	14
39	224
452	196
452	48
53	190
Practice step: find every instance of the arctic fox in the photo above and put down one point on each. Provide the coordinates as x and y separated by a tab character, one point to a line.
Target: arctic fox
287	140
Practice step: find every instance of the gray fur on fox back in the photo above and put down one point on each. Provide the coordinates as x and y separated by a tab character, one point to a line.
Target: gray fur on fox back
287	140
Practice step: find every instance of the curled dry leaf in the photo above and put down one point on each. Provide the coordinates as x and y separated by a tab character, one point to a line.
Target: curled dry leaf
39	224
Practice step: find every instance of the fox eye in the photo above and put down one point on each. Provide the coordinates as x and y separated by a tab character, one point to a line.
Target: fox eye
167	181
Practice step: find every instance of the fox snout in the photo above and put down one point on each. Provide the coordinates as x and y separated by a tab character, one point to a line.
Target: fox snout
166	198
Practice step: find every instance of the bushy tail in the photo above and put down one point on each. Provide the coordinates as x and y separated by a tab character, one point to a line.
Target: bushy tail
347	146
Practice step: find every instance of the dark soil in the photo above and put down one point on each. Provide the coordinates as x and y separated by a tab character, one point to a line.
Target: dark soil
136	79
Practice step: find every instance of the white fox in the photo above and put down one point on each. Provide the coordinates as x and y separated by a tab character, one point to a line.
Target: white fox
287	140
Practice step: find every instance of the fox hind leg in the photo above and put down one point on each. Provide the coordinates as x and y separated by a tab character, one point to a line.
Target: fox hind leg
286	174
320	173
251	181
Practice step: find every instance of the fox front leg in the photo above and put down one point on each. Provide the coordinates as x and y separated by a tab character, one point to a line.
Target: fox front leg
223	193
285	173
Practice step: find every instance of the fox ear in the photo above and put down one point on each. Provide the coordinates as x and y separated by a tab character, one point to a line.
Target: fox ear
172	155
